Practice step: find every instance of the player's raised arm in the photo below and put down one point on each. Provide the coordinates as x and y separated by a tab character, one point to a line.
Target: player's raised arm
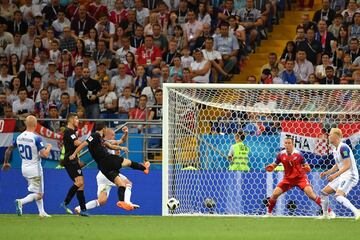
78	149
7	156
124	136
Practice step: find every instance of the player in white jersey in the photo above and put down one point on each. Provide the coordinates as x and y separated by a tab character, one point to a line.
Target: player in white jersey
342	177
31	149
104	185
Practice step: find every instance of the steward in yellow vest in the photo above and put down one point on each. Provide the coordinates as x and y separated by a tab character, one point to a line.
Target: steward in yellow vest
239	154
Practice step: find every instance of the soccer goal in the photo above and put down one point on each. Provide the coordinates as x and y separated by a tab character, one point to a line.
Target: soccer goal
200	122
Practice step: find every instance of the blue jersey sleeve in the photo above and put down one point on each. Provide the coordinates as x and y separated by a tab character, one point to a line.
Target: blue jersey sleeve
344	152
39	143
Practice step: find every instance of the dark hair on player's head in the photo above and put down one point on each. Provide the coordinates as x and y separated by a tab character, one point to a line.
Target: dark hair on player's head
241	135
289	137
70	117
100	126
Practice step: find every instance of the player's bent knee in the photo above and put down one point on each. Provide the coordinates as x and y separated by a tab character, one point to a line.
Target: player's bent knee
126	163
39	196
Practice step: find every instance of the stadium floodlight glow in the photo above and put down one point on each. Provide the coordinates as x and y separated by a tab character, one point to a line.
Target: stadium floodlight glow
199	123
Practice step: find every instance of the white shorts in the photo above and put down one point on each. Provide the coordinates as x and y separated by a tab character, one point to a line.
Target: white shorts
344	184
104	185
36	184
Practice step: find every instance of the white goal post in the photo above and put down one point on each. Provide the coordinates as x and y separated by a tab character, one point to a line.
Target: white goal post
200	122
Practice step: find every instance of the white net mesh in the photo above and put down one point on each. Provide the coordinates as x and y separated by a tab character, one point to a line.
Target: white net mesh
201	123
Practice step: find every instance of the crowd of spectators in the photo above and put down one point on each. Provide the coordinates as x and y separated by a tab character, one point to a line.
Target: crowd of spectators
109	58
325	50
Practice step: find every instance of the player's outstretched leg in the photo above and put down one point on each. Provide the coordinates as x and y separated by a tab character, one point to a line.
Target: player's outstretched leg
20	202
89	205
340	197
138	166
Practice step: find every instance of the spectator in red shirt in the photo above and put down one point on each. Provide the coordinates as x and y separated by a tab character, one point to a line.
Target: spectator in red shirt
148	55
96	9
119	14
139	113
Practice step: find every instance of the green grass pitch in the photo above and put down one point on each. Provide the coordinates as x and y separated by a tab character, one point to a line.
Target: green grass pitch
155	227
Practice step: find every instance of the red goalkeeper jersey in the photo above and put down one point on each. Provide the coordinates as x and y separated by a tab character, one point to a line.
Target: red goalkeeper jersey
292	164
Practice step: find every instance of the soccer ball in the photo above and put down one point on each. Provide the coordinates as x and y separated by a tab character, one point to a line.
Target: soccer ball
209	203
173	204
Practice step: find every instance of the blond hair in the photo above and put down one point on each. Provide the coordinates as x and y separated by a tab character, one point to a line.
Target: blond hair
337	132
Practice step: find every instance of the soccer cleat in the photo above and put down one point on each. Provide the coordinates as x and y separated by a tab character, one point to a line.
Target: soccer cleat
18	206
84	213
44	215
357	215
332	214
125	206
147	167
135	206
324	217
67	210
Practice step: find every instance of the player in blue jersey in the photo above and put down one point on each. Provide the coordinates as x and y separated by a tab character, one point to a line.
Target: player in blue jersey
31	149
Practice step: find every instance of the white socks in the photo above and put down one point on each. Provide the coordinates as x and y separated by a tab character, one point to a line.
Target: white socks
324	203
344	201
29	198
92	204
127	193
40	205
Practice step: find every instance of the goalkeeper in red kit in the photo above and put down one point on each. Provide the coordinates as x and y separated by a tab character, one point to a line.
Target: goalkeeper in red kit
295	168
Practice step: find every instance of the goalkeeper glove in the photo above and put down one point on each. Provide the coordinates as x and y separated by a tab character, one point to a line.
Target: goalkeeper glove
270	168
307	168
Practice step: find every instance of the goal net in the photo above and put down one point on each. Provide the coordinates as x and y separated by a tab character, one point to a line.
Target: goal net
200	124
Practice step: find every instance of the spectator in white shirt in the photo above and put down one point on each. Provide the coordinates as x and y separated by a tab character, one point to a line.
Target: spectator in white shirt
149	91
18	48
56	93
228	46
120	81
24	106
108	100
142	14
215	58
60	23
192	28
303	67
126	101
